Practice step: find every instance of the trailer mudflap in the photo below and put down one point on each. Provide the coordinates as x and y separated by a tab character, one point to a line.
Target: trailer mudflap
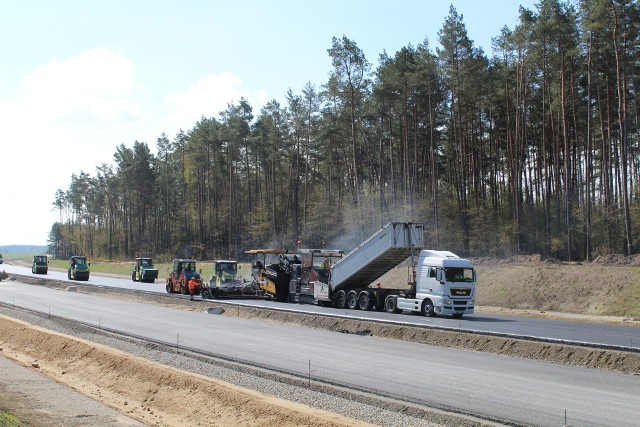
321	291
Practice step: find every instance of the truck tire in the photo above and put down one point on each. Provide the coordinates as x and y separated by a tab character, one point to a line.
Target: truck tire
391	305
133	277
169	287
364	301
69	274
427	308
352	301
341	299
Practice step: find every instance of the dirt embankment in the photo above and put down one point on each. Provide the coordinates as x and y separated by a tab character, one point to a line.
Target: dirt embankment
608	286
152	393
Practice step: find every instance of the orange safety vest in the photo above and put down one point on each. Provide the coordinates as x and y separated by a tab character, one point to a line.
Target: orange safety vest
192	285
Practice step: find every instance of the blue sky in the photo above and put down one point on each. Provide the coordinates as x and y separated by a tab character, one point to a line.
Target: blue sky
79	78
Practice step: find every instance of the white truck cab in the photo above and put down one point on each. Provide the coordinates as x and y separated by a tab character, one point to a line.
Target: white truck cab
445	284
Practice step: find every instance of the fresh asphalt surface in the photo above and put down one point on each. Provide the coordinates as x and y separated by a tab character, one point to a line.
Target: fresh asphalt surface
514	390
611	335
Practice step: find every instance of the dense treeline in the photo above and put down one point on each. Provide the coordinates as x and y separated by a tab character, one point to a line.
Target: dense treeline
534	150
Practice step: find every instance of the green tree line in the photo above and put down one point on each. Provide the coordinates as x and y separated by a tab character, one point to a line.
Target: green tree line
532	150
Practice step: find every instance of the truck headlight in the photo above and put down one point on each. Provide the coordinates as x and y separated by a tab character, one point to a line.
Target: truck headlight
446	301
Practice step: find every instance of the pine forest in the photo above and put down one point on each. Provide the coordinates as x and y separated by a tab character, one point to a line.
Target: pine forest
534	150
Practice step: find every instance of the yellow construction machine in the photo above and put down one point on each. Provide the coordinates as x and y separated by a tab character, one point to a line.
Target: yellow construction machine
271	271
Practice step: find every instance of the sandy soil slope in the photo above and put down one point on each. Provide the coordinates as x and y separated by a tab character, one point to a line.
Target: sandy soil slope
147	391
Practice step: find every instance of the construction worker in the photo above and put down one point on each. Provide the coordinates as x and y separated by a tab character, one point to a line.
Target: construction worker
193	284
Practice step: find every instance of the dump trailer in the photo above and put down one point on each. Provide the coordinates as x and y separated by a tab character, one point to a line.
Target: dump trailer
226	282
438	281
40	264
144	271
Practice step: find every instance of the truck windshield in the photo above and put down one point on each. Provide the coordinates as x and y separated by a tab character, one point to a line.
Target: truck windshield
457	274
322	262
227	267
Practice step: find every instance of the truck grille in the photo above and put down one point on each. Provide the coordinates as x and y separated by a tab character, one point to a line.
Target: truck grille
460	292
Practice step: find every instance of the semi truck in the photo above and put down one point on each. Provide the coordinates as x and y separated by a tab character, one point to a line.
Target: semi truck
439	282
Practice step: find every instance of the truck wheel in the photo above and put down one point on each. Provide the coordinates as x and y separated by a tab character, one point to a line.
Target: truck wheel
427	308
352	301
169	287
391	305
69	274
341	300
133	277
364	302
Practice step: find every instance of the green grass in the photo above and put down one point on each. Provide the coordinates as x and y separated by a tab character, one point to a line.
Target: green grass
10	420
19	256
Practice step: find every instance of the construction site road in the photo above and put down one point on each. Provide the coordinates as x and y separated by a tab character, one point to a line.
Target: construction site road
624	337
526	392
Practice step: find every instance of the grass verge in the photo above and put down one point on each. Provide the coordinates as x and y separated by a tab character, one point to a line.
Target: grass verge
9	420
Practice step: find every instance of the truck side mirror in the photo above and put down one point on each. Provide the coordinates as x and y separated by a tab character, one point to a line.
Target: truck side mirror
439	274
